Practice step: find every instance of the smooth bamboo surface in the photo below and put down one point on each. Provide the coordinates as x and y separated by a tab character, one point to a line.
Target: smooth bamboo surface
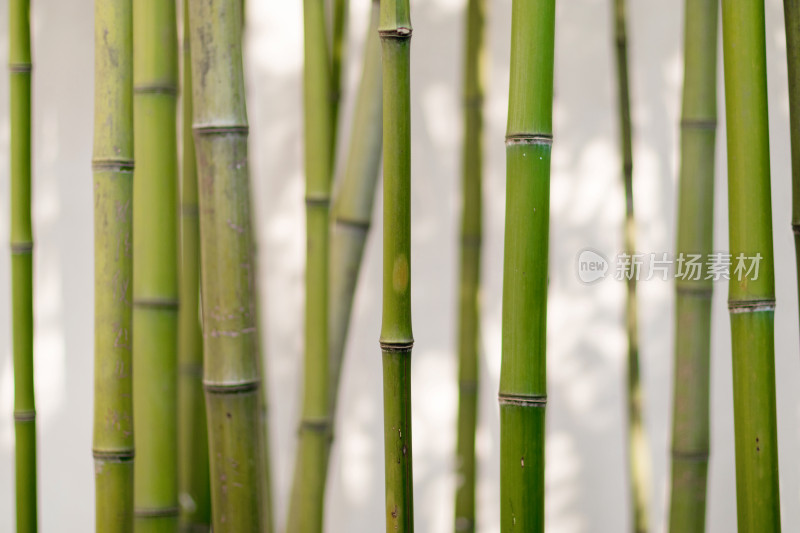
230	332
690	413
791	18
523	377
396	338
155	265
751	301
112	166
20	69
193	480
470	267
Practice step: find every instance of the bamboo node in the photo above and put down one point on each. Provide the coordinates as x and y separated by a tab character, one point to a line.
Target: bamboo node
397	347
396	33
156	303
362	225
112	165
529	138
231	388
690	456
159	512
796	229
233	129
318	201
156	88
24	416
699	123
316	425
113	456
522	400
21	248
751	306
20	68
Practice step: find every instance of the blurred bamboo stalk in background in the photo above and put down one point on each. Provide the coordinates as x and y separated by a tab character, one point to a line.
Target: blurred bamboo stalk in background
20	69
690	412
638	448
155	265
396	338
471	223
338	53
353	201
230	330
306	508
112	166
791	17
523	372
195	491
751	299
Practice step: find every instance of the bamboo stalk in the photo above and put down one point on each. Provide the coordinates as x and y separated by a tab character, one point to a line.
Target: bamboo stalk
195	491
791	17
231	369
338	51
155	265
20	68
113	194
396	336
751	301
353	201
523	378
469	321
308	490
690	417
638	447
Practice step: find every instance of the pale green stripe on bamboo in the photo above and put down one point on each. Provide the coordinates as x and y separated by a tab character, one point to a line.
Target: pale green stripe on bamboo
751	301
20	67
791	17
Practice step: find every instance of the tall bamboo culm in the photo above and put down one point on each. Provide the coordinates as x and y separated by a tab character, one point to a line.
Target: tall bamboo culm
690	412
523	371
468	318
638	449
354	197
396	338
193	484
230	332
155	265
751	301
20	69
308	489
338	52
791	17
112	166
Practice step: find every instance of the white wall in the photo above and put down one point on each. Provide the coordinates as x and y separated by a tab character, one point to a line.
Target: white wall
585	449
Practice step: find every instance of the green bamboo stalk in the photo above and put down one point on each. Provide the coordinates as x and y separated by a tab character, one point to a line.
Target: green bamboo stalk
155	265
791	17
20	68
638	448
690	417
751	301
230	332
469	321
396	336
195	491
113	194
306	507
338	51
353	200
523	372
